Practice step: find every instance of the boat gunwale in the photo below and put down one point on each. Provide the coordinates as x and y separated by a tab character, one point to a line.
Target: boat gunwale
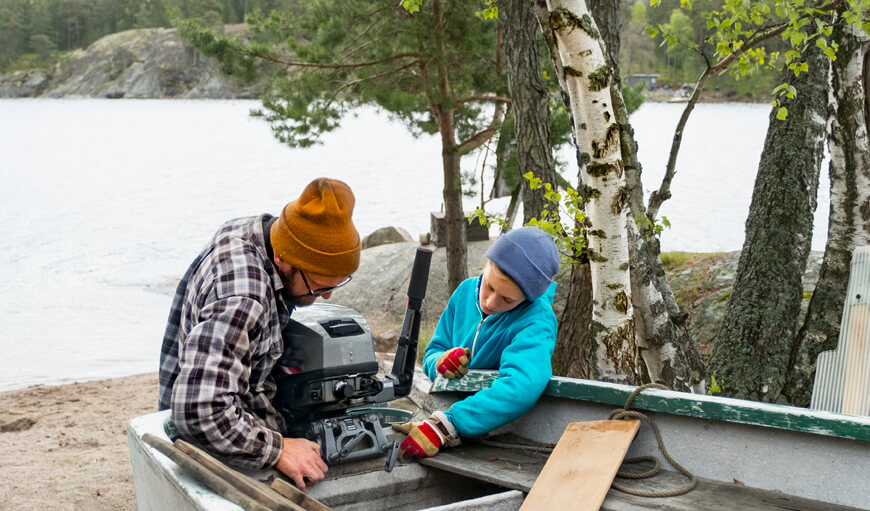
787	417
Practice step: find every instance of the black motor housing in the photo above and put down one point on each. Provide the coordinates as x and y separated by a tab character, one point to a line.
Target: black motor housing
328	365
327	375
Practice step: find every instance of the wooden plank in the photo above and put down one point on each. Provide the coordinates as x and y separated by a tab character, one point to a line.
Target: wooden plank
581	468
247	485
682	403
515	470
201	473
298	496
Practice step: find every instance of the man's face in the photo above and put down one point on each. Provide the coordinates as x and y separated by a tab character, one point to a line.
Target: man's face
497	294
303	288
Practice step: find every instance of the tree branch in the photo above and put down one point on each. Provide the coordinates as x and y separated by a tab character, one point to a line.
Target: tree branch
372	77
291	63
488	99
659	196
479	138
664	192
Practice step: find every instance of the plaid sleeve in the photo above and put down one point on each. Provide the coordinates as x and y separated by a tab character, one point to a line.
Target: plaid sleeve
214	372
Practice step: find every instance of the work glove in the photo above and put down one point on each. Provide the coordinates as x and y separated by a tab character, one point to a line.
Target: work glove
454	363
426	437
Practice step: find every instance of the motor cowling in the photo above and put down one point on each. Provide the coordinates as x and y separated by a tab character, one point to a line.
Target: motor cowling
328	365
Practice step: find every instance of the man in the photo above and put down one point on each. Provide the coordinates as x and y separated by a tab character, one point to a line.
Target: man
501	320
223	336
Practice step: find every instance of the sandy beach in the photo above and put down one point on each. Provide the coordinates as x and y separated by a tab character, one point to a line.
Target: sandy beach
65	447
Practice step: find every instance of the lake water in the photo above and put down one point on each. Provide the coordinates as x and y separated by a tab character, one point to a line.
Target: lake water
104	203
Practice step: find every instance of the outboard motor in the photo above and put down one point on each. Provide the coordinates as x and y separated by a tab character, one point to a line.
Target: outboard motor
327	375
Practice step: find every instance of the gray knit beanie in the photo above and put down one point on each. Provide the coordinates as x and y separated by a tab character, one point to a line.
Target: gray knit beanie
529	256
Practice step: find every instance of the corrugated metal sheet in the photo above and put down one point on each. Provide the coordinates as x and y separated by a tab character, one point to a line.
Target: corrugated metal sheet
843	375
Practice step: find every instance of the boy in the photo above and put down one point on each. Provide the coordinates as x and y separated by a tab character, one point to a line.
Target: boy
502	319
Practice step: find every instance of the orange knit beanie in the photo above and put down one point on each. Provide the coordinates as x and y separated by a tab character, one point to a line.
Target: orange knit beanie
315	233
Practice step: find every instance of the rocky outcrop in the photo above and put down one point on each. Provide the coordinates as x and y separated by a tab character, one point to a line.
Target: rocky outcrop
143	63
702	284
386	235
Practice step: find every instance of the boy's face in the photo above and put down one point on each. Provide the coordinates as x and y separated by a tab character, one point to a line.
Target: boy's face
498	294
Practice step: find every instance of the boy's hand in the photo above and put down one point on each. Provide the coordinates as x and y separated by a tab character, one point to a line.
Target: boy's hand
454	363
426	437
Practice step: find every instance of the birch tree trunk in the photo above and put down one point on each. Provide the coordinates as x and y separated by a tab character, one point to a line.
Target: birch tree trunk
587	78
751	353
530	102
573	356
667	348
849	220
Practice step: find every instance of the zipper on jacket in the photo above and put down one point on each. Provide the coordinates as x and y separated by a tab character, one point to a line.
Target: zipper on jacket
483	318
476	332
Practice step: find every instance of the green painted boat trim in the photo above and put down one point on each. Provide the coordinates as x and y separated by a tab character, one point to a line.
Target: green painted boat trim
786	417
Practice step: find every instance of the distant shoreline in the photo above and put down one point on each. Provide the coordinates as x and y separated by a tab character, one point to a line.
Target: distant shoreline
655	96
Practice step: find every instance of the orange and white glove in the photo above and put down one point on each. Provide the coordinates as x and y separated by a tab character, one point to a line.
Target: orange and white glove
454	363
426	437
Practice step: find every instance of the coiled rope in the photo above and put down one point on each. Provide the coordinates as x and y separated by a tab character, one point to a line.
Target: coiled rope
625	413
622	414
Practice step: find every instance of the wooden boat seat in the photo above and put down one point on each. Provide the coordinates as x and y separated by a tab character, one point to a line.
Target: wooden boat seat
517	469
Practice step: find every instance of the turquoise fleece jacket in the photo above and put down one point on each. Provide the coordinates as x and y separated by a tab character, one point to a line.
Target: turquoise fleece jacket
519	343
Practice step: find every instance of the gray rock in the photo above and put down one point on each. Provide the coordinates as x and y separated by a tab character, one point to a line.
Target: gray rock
703	288
474	230
23	84
142	63
386	342
386	235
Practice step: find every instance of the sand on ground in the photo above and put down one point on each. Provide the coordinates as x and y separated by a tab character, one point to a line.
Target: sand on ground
65	447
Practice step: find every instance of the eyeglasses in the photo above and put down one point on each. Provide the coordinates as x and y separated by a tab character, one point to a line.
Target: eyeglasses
323	290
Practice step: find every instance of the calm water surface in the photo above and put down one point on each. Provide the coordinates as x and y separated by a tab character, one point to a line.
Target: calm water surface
104	203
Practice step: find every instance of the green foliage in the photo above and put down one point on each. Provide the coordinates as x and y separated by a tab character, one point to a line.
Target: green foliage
333	56
742	35
650	228
716	386
223	48
638	11
412	6
633	97
563	217
490	11
46	27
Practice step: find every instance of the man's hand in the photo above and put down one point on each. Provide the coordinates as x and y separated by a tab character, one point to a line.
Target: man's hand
454	363
300	460
426	437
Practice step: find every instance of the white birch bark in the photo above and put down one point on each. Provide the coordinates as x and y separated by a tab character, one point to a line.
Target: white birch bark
850	217
587	78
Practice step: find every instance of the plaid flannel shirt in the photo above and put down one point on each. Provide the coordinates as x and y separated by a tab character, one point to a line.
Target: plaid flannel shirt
222	340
